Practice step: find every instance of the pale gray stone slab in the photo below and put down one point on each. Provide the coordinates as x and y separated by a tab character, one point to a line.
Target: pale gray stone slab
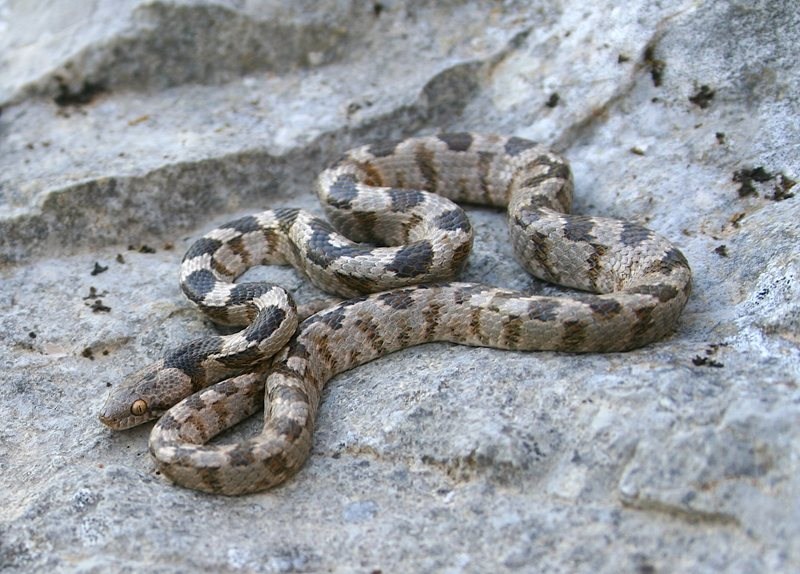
679	457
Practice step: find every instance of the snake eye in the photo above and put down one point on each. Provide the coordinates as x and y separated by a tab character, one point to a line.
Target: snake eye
139	407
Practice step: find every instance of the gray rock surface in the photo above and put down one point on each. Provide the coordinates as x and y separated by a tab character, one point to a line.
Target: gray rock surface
134	126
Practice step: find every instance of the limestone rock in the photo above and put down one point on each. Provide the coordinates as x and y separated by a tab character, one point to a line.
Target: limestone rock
129	128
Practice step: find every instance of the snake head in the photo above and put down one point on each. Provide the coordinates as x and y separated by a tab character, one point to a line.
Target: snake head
143	396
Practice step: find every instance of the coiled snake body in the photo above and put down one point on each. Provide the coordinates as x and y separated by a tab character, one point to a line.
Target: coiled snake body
634	283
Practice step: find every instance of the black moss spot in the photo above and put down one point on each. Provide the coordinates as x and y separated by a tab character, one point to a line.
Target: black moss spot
700	361
655	65
702	98
746	176
84	95
98	307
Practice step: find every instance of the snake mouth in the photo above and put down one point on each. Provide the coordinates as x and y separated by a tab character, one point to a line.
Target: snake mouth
116	422
110	422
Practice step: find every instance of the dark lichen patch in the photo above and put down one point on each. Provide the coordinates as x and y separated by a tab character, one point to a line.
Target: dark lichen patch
655	65
706	360
700	361
98	307
553	100
98	269
720	137
736	218
781	188
94	294
702	97
721	250
142	248
748	178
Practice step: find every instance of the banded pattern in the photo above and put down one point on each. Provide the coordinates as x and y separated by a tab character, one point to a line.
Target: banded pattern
636	285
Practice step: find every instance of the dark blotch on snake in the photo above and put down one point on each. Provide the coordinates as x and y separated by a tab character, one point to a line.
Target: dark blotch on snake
632	234
382	149
343	191
644	321
465	293
195	403
662	292
404	199
285	217
288	427
605	307
241	455
544	310
333	318
515	146
242	293
512	331
169	423
460	141
267	322
452	220
398	299
287	395
412	260
319	248
426	164
188	357
673	258
555	170
579	228
246	224
574	334
199	284
527	216
203	246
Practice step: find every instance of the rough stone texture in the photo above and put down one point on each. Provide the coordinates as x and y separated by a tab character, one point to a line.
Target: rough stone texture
146	123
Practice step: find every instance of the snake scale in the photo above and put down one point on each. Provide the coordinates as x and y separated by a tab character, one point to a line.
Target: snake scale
406	241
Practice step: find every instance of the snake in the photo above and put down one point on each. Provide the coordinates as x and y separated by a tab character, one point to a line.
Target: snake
390	249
